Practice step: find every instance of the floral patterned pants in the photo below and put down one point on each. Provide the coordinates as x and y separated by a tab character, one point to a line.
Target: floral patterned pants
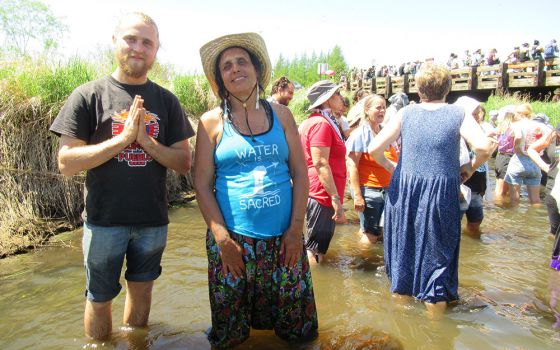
270	296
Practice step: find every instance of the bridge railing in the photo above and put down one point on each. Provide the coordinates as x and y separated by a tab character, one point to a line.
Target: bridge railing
398	84
381	86
501	76
489	77
552	72
524	74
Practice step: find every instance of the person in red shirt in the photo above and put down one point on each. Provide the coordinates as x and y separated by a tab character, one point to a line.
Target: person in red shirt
323	144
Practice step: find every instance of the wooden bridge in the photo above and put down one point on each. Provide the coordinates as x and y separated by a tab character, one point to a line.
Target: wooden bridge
531	74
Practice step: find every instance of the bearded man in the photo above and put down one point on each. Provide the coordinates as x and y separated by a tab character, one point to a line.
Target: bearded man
282	91
124	131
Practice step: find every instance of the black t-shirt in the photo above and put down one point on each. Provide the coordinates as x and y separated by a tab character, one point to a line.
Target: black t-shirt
129	189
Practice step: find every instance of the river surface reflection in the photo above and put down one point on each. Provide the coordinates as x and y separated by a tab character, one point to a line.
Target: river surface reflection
510	299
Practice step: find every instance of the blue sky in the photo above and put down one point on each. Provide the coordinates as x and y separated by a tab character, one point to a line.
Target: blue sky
367	31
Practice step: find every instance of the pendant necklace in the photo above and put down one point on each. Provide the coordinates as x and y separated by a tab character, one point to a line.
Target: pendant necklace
244	103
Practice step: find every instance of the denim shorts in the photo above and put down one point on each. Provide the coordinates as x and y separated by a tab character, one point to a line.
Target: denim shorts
501	164
370	218
105	249
523	171
475	212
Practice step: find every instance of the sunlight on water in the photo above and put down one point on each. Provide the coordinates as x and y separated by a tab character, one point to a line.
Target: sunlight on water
509	296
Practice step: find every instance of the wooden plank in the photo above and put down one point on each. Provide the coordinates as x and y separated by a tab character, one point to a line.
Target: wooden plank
484	84
367	84
524	74
522	81
495	67
461	86
489	77
380	86
462	79
412	89
552	77
524	65
397	84
460	71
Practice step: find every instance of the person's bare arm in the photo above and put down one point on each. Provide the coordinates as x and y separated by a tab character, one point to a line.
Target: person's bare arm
292	240
389	134
176	157
538	146
320	159
352	161
230	250
75	155
481	145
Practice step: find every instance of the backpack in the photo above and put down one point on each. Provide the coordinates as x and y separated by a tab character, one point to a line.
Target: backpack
549	51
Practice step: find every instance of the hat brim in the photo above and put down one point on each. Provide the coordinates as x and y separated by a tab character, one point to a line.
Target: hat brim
355	122
324	97
251	42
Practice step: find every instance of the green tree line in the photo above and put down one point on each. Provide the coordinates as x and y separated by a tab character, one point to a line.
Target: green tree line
304	69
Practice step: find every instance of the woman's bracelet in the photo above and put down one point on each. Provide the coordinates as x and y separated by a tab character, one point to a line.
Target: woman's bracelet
335	197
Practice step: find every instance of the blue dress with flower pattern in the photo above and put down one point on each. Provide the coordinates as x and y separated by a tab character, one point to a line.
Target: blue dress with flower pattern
422	217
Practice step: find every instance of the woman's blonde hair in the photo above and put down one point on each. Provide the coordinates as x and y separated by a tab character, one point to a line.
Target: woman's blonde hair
525	110
433	82
505	124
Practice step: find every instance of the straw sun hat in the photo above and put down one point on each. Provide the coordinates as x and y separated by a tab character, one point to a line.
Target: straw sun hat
251	42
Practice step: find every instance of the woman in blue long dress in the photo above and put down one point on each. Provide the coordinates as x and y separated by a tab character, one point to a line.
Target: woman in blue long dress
422	217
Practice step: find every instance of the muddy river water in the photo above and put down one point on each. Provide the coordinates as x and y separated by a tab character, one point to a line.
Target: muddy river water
510	299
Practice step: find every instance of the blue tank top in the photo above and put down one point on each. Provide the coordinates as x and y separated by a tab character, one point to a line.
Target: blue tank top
253	183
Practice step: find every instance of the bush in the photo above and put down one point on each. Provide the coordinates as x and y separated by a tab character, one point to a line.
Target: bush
299	105
51	85
495	102
194	93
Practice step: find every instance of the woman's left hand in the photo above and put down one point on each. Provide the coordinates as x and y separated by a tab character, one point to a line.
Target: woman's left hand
291	246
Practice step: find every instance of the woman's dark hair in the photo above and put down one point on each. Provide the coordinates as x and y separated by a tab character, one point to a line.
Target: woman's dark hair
222	92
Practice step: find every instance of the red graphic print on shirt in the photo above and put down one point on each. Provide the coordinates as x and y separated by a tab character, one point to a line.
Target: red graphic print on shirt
133	154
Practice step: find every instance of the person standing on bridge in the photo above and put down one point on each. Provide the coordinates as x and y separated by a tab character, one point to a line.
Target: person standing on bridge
125	131
251	186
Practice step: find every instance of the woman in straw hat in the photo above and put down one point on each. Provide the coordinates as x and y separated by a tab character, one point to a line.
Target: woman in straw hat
323	144
368	179
422	216
251	186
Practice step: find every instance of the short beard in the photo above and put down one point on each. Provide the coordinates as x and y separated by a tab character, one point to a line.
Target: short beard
130	71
